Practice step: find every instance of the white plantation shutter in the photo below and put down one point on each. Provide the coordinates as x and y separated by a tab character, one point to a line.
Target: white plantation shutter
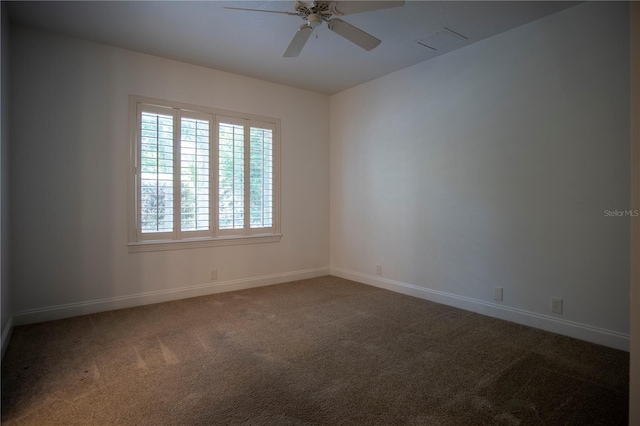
156	172
261	176
202	178
195	173
245	185
231	172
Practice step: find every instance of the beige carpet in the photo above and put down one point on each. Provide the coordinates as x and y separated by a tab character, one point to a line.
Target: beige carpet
322	351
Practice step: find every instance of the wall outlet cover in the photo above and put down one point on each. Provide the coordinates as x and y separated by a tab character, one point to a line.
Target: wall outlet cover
497	293
556	306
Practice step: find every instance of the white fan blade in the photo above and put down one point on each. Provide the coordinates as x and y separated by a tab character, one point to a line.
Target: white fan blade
353	34
349	7
260	10
298	42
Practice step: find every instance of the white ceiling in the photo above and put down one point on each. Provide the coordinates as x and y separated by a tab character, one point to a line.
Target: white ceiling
252	44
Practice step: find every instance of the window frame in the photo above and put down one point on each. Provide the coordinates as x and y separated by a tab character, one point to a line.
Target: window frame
178	239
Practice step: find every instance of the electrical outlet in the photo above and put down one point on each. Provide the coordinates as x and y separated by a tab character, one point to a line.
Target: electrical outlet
556	306
497	294
213	275
378	269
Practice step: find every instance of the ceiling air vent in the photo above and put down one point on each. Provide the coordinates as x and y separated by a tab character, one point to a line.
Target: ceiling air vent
442	39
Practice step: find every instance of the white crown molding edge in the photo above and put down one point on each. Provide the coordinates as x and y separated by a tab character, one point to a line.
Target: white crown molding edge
49	313
573	329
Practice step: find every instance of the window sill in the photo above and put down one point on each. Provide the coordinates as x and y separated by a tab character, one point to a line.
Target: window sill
193	243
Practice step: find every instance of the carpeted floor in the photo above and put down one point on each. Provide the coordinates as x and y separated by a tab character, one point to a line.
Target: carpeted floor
321	351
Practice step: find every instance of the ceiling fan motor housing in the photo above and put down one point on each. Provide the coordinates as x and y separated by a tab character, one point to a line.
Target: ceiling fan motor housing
304	9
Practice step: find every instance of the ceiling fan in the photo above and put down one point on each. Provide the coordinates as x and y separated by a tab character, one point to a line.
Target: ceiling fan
317	12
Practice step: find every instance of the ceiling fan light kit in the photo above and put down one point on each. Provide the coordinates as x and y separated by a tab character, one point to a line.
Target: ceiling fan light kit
314	20
316	12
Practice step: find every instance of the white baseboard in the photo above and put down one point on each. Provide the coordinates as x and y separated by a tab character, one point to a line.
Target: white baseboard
6	336
580	331
92	306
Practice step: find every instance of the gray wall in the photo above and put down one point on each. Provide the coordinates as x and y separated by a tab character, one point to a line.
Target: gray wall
70	178
493	166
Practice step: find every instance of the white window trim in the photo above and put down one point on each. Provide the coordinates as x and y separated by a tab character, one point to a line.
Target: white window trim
215	238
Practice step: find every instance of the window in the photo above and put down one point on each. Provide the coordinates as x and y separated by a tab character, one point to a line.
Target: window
201	177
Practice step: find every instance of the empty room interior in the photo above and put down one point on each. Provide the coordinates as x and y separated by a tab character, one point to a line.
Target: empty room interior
331	212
